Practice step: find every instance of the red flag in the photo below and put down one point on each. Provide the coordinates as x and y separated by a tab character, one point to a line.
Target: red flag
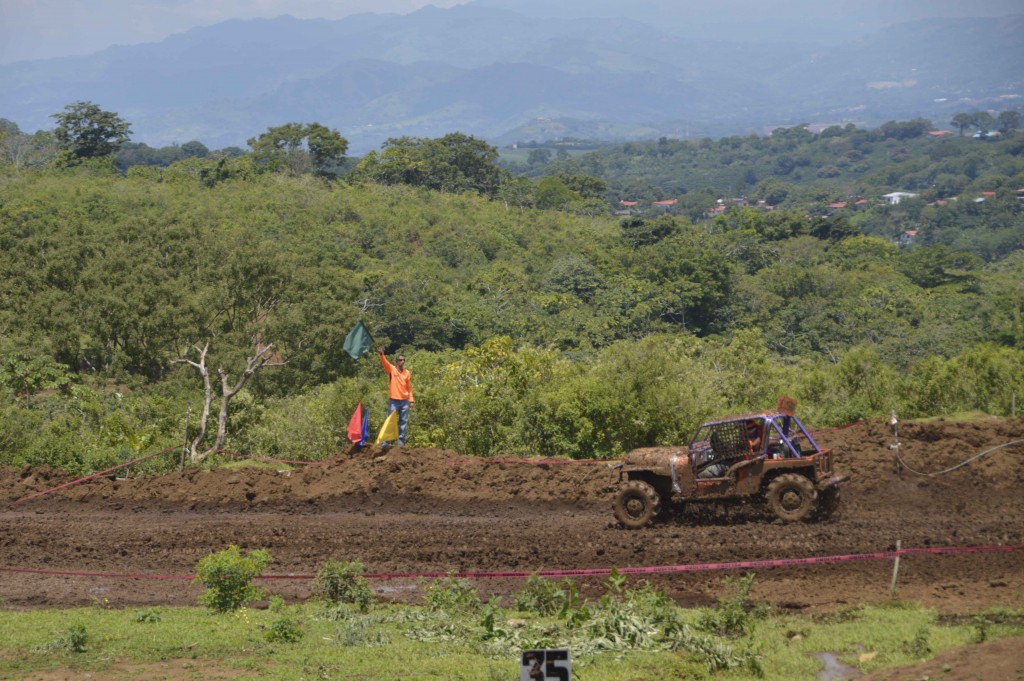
355	425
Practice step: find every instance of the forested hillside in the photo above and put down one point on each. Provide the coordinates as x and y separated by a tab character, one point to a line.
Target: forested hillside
529	329
842	172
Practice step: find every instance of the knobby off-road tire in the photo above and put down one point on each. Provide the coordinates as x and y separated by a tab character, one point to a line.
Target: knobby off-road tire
791	497
636	505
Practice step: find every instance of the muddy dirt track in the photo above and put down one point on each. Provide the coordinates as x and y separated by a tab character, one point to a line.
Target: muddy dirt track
431	511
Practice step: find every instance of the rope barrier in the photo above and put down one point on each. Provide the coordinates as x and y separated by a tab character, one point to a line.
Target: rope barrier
95	475
959	465
531	462
165	451
591	572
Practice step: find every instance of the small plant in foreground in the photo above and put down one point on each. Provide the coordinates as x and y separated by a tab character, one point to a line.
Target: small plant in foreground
732	617
341	582
149	615
544	597
284	630
979	630
919	647
74	640
451	594
227	576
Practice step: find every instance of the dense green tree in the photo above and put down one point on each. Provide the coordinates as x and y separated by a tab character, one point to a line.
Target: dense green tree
298	149
453	163
984	122
552	192
1009	121
86	131
902	130
32	152
539	157
933	266
962	121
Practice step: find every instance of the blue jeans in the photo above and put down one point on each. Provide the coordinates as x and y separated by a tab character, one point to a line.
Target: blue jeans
402	407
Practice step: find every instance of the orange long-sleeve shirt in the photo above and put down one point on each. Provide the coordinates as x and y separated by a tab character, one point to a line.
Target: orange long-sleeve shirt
400	381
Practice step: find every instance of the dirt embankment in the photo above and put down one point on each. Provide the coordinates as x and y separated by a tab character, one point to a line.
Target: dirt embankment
432	511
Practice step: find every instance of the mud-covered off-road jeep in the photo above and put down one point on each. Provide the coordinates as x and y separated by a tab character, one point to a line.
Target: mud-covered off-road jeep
765	457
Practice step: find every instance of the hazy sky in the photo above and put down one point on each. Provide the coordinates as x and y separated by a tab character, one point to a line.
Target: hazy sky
40	29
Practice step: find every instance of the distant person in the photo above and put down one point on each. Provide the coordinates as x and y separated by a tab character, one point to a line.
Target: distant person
754	435
399	391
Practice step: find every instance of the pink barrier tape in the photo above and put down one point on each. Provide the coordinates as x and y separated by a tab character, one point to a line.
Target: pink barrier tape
532	462
95	475
595	572
165	451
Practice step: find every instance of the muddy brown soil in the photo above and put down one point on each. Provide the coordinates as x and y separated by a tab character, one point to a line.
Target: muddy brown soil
415	511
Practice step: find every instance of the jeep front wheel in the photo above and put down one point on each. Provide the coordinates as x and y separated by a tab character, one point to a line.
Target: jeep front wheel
636	504
791	497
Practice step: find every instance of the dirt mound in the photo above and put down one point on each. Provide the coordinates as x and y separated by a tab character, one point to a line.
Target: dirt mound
864	452
394	474
424	511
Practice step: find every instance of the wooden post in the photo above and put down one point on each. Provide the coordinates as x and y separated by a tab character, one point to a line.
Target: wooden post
895	446
895	570
184	446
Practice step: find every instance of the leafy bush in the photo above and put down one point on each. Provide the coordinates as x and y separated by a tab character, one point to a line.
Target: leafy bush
148	615
74	640
545	597
450	594
284	630
734	616
919	647
340	582
227	576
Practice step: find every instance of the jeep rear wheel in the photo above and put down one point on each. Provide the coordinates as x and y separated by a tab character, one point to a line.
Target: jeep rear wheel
791	497
636	504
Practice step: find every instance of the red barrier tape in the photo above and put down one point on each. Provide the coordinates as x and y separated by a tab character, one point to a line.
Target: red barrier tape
533	462
94	475
596	572
164	451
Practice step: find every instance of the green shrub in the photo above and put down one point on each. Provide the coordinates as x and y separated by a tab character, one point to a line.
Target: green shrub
341	582
149	615
74	640
919	647
284	630
450	594
227	576
543	596
733	617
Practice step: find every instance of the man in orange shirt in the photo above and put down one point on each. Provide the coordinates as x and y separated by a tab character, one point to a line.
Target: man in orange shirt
400	391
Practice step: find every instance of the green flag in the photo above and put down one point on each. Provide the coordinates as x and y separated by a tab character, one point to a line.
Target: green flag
358	341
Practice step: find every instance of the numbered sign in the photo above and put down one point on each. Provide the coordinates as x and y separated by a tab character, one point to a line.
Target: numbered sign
545	665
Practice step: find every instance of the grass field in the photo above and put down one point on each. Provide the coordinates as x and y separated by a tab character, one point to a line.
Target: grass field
628	634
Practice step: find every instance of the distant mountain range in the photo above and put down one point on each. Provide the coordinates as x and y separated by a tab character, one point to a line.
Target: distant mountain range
507	77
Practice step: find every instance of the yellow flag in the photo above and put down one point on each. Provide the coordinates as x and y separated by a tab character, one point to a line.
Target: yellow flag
389	431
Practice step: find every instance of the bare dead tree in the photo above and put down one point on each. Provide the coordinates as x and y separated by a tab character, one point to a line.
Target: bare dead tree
263	357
